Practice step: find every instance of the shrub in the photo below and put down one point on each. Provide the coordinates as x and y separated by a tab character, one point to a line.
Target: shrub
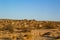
9	28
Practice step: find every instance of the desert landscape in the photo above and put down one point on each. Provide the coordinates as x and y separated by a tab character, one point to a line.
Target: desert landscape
29	30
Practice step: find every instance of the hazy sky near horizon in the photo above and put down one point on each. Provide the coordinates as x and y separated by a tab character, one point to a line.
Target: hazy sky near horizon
30	9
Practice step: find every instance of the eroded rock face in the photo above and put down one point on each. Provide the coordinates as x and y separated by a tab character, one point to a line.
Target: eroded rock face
29	30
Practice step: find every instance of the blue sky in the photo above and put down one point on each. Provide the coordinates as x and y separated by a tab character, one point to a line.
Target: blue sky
30	9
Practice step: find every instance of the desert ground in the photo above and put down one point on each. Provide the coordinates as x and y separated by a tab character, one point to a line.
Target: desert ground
29	30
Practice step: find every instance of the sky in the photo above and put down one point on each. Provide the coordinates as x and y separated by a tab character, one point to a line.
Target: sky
30	9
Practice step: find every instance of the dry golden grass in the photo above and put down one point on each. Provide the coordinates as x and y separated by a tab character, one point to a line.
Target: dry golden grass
29	30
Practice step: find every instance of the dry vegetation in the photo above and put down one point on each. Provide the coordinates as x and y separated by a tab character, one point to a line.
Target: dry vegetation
29	30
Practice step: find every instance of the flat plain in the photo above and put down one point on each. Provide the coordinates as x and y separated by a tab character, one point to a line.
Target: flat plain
29	30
